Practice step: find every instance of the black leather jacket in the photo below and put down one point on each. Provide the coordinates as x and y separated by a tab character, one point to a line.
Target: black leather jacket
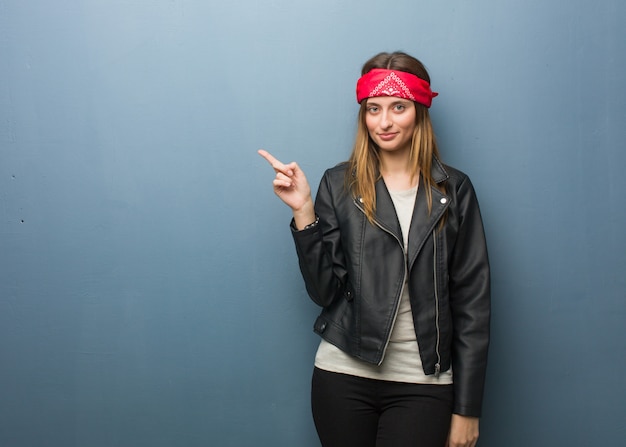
356	270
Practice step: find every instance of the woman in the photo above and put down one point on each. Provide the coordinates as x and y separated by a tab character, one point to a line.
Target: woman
393	250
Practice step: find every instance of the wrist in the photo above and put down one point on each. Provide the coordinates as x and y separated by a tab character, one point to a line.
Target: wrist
304	216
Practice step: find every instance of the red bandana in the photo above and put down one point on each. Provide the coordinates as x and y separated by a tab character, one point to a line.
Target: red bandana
383	82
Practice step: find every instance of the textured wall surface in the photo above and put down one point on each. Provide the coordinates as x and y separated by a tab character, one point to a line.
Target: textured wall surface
149	290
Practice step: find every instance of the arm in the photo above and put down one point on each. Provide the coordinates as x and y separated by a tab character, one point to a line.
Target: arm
318	247
470	304
320	253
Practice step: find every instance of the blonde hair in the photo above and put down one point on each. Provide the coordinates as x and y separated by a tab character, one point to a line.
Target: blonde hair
364	163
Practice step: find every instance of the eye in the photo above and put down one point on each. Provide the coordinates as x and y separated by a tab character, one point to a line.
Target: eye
372	109
399	107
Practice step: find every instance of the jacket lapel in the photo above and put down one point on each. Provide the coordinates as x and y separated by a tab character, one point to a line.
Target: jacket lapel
385	211
423	223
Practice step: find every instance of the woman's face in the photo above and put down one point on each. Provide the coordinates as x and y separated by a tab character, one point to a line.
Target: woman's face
390	122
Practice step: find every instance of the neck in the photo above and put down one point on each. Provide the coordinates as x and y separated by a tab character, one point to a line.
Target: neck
396	171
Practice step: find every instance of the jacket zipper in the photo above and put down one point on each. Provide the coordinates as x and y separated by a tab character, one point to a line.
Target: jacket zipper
397	305
438	364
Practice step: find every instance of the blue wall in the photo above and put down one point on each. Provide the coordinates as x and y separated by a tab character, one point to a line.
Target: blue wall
149	292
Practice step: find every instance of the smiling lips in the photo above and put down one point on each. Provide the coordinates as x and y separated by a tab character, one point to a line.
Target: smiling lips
387	136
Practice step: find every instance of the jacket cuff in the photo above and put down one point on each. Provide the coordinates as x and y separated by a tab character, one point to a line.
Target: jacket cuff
292	224
466	411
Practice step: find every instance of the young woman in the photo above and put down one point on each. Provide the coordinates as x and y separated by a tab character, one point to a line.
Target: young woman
394	252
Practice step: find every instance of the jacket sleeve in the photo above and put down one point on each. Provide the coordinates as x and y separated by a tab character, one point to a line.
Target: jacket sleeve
470	304
320	255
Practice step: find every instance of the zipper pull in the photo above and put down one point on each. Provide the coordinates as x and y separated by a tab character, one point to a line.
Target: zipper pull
437	369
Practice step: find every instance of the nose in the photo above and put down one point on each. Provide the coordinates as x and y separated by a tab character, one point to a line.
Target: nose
385	120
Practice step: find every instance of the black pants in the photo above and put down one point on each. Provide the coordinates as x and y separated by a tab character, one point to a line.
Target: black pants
353	411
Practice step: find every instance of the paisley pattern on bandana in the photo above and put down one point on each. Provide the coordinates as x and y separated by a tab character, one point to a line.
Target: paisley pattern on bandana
392	85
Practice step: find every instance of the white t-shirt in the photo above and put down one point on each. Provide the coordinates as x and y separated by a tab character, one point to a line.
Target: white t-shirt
401	362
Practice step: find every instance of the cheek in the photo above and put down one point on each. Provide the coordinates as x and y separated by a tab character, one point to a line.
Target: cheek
370	123
409	123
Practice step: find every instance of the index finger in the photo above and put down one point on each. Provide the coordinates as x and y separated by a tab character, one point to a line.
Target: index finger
269	157
275	163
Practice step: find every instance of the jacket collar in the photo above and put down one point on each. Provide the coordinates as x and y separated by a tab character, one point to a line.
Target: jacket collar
438	171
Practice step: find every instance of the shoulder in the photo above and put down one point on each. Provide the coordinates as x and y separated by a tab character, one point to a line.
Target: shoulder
456	178
455	175
337	170
459	186
333	181
336	175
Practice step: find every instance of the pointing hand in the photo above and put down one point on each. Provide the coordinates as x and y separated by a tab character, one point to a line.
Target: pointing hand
292	187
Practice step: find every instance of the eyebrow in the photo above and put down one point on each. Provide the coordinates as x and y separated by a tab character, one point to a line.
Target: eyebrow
398	101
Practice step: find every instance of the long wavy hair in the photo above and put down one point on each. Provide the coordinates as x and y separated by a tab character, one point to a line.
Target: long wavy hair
364	163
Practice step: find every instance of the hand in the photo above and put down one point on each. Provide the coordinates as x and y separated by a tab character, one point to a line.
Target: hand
292	187
463	431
